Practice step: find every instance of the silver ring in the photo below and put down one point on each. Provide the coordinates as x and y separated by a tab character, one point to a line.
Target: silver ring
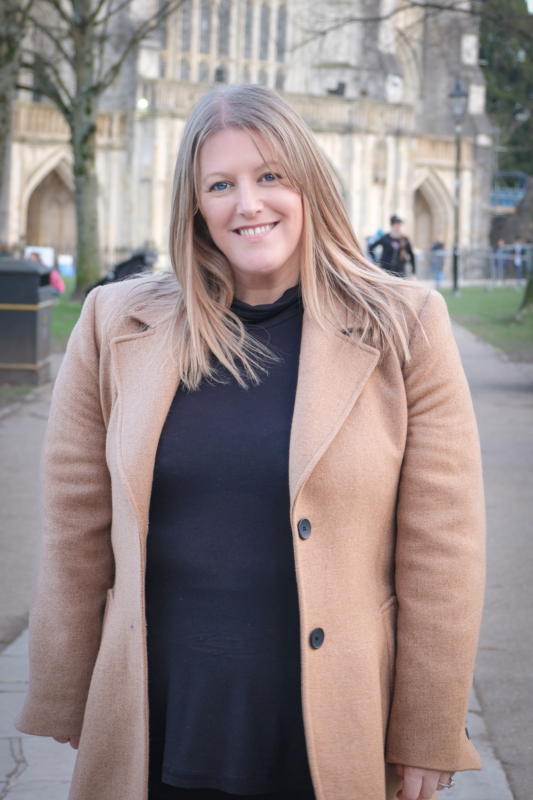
449	785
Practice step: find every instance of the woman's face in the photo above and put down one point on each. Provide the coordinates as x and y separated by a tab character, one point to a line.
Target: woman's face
252	217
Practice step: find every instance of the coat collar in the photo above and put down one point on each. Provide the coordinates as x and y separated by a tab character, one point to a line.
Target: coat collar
332	373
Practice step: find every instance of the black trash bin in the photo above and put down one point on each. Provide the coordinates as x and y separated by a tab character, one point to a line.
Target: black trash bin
26	302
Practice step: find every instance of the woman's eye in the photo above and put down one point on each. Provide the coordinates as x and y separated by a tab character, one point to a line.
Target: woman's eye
269	177
220	186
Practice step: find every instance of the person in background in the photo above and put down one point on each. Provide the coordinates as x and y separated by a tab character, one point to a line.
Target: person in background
518	253
56	281
5	251
436	263
500	260
396	250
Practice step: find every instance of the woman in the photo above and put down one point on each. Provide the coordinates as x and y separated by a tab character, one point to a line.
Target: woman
263	503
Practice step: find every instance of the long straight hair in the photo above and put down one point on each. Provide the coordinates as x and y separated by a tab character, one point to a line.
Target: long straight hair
336	279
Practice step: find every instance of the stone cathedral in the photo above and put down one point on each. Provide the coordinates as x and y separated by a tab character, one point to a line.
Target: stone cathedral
374	91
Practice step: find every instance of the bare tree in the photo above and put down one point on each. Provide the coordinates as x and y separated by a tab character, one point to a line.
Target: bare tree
332	17
13	21
75	49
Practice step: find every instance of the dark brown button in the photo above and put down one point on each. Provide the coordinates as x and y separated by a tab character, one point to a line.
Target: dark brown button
304	529
317	638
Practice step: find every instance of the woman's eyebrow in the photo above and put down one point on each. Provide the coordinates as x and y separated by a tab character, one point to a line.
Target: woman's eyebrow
211	175
221	174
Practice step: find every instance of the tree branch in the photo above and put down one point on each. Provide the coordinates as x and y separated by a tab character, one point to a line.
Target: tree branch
53	38
456	7
147	27
58	6
46	86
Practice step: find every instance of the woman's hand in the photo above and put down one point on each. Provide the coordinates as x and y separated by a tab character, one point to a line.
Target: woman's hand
74	740
420	784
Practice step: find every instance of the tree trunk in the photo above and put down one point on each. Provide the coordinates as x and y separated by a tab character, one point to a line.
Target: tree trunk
88	265
8	76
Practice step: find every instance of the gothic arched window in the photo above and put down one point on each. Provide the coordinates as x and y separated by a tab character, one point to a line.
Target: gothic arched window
185	72
221	74
280	80
205	26
203	72
263	78
186	26
248	21
282	33
264	32
224	21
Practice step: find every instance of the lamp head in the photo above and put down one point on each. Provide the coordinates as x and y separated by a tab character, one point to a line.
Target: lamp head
459	99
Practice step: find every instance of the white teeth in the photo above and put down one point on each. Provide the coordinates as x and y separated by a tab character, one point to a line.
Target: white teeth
255	231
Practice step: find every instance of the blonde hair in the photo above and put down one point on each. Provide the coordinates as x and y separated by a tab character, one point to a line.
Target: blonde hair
335	275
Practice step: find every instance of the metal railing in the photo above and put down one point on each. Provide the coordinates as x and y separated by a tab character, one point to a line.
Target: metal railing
483	265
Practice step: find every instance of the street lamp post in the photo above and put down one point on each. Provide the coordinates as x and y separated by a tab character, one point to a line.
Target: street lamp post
459	99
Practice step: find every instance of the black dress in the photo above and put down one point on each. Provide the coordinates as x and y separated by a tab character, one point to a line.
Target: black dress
221	595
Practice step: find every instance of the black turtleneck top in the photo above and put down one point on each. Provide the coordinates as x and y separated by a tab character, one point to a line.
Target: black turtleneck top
221	596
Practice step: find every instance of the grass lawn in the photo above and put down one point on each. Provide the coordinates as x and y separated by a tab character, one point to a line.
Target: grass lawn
64	317
489	315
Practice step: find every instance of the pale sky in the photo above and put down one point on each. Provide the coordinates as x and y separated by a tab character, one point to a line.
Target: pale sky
530	5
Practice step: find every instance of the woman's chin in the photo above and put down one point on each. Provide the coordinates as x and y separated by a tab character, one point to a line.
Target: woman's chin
259	273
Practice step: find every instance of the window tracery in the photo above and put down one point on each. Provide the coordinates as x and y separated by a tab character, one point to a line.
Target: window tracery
281	34
224	23
205	26
264	32
186	13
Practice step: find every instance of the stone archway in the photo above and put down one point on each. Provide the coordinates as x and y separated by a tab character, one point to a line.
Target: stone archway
433	213
424	222
51	219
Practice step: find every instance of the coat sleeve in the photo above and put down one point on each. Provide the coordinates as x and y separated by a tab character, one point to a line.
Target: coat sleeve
439	555
77	564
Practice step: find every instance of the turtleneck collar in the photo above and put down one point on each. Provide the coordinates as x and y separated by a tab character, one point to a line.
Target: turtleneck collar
269	313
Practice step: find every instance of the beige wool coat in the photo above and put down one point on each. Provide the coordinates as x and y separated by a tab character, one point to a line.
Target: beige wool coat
384	462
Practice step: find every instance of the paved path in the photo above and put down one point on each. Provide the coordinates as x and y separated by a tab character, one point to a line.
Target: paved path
31	767
500	721
21	440
503	400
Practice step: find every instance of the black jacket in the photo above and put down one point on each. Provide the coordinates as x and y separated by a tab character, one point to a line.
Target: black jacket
394	255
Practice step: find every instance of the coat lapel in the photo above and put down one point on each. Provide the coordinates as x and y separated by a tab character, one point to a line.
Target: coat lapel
332	373
147	379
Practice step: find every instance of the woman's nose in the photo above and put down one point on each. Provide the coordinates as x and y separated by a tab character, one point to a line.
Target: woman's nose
249	201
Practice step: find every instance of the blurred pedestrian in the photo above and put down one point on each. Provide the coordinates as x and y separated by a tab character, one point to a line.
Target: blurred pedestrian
500	260
56	281
263	557
5	250
518	258
436	263
396	250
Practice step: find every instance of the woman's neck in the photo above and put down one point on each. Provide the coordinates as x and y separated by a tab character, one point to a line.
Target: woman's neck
259	291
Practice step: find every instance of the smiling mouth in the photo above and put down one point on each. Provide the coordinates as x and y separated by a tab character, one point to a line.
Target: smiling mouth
255	231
